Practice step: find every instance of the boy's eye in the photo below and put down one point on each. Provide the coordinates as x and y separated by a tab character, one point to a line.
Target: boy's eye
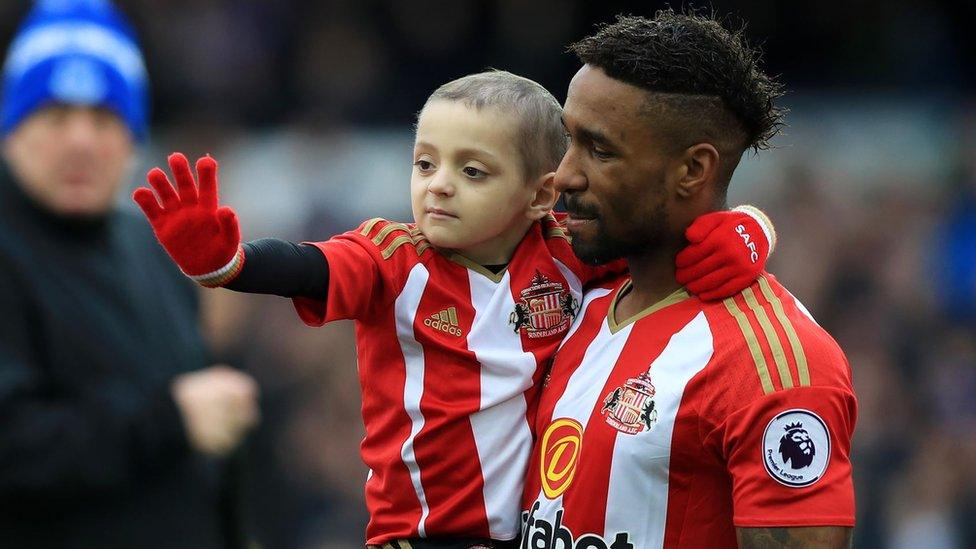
424	165
473	172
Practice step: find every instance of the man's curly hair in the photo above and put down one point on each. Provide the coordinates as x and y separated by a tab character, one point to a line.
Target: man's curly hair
707	74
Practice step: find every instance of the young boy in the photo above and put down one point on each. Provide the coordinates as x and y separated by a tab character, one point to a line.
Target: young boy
457	314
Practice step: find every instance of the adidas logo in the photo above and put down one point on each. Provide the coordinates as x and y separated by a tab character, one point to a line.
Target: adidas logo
445	321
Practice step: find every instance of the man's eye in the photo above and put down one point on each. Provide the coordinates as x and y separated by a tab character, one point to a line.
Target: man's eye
601	154
473	173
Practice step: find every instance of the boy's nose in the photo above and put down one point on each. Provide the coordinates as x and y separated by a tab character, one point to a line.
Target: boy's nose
441	184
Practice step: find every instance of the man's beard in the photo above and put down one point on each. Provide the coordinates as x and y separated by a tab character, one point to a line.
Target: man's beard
603	248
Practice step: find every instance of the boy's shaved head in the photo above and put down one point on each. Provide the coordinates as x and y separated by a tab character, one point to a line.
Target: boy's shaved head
542	138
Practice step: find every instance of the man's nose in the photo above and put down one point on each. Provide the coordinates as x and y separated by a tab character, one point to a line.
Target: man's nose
569	176
81	130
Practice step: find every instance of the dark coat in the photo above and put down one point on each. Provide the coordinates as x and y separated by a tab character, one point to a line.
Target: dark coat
95	322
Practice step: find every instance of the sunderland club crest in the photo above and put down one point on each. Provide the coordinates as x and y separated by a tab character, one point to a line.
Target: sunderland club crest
630	407
545	308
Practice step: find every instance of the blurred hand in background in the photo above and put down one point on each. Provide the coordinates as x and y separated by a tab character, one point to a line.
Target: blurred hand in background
219	406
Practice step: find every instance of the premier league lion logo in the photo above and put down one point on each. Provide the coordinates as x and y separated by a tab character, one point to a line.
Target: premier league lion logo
796	447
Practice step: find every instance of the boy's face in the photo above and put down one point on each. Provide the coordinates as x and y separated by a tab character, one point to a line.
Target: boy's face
468	190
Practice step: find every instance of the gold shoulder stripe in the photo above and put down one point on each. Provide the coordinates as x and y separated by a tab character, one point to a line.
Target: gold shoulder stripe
409	236
394	244
368	226
395	544
750	335
558	232
385	231
798	354
775	345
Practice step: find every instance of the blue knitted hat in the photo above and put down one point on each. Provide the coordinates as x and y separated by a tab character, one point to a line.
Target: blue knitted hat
79	52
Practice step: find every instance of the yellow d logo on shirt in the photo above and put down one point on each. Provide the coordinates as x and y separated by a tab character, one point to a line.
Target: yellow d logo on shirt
561	444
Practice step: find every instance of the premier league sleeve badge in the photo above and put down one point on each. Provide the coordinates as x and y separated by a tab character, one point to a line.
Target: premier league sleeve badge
796	448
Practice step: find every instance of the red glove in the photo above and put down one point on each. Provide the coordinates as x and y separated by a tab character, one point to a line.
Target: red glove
726	252
204	240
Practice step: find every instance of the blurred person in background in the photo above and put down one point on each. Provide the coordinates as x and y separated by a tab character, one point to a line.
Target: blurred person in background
112	424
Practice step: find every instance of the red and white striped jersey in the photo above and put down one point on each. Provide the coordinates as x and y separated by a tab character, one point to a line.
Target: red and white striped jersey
674	427
450	359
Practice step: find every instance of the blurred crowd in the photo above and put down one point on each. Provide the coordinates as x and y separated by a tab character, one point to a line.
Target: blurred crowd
325	62
308	105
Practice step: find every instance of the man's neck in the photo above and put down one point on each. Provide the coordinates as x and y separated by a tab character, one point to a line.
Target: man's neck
652	279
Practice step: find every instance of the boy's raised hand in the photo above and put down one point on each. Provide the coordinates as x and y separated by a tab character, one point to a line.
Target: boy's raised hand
202	238
726	252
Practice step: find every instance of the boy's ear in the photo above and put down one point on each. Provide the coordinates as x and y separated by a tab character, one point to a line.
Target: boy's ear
545	197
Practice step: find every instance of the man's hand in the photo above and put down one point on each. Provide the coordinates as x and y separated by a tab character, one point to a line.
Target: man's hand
726	252
204	240
219	405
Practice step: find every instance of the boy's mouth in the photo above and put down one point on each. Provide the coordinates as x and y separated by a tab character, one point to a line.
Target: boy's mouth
438	213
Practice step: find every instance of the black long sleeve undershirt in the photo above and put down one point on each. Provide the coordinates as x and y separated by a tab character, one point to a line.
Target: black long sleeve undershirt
279	267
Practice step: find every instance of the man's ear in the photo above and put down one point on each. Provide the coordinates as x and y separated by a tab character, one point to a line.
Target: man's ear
545	196
699	170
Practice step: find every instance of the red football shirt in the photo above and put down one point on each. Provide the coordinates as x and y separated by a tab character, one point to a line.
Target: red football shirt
450	359
676	426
